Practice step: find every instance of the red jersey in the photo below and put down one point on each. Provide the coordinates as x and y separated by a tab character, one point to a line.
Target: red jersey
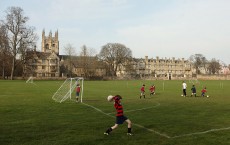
204	91
143	89
152	88
78	89
118	106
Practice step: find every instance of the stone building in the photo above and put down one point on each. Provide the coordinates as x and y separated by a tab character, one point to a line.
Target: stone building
47	62
83	66
225	70
158	68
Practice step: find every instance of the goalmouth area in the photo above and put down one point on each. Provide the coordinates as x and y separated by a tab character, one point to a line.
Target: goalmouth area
30	116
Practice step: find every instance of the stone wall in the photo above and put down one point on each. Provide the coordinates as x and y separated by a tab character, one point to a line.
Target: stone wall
213	77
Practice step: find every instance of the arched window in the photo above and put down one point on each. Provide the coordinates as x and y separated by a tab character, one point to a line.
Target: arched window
47	46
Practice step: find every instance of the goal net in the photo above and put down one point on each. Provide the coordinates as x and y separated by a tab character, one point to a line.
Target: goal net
194	81
30	80
66	89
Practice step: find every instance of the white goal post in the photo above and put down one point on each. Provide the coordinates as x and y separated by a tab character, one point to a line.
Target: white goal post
193	81
66	89
30	80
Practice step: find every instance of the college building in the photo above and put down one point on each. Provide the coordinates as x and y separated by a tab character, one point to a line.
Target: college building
49	63
158	68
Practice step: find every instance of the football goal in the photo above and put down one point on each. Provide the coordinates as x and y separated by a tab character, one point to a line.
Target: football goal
66	89
30	80
194	81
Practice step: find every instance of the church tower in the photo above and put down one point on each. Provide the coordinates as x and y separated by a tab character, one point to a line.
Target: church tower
49	43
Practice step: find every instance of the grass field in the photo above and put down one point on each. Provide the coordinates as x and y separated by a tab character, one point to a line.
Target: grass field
29	116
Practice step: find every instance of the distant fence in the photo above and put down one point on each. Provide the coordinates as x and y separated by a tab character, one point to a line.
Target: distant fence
199	77
213	77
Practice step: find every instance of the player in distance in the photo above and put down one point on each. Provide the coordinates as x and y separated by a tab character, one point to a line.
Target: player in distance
152	90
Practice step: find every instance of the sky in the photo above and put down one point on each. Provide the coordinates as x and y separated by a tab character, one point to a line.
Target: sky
163	28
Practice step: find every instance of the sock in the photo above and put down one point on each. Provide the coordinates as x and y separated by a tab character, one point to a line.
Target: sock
129	130
109	130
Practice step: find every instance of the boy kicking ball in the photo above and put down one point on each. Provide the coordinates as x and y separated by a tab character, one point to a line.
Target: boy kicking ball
120	118
203	91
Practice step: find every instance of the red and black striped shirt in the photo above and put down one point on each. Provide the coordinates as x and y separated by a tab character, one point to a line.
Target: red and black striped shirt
118	106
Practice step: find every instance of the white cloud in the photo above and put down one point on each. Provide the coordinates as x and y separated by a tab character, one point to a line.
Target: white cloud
174	28
188	28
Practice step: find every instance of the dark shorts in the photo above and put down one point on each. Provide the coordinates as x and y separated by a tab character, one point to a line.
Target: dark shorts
120	119
77	94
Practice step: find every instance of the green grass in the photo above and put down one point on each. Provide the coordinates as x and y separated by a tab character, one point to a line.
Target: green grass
29	116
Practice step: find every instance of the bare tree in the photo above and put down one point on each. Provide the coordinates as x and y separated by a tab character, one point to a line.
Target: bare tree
27	56
129	67
71	54
19	35
198	60
88	61
214	66
5	55
114	54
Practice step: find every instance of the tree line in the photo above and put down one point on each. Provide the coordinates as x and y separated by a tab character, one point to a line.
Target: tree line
111	56
17	38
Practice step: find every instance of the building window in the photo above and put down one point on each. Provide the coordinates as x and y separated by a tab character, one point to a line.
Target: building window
47	46
53	61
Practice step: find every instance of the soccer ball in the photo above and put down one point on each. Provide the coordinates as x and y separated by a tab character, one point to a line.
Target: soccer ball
182	95
207	95
110	98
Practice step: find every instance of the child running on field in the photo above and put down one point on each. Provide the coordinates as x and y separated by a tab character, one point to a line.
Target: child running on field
193	90
203	91
142	91
152	90
184	86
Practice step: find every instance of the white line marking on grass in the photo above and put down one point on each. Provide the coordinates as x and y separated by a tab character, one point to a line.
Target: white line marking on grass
138	125
152	130
161	134
99	110
203	132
